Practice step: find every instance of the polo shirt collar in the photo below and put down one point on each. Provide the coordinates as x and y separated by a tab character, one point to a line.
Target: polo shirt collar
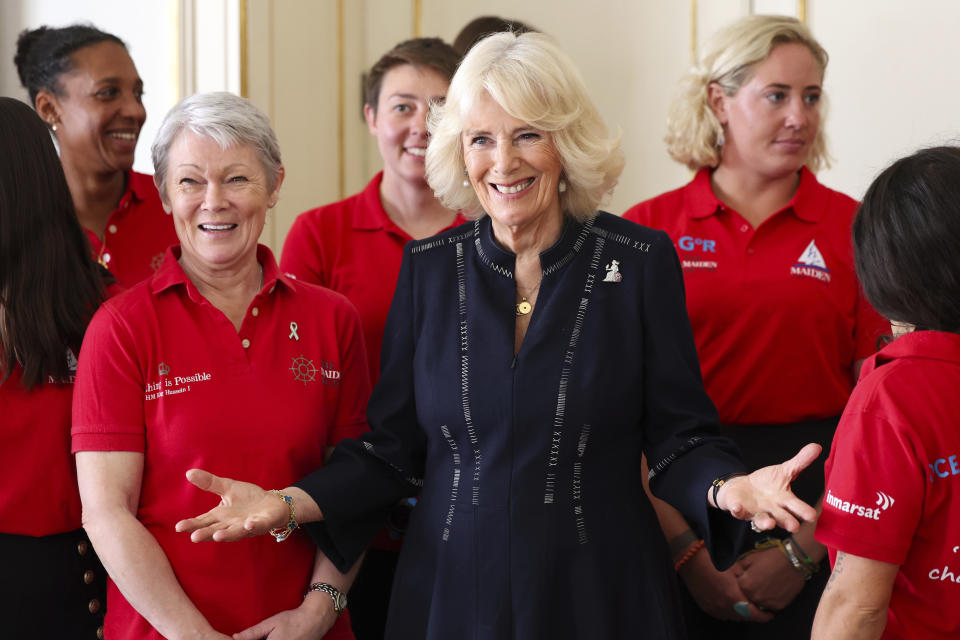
371	215
808	203
140	185
171	274
503	261
926	345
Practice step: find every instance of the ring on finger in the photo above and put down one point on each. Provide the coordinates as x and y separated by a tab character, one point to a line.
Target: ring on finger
754	527
742	609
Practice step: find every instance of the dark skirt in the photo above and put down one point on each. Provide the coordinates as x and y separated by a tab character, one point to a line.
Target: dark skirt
53	587
760	446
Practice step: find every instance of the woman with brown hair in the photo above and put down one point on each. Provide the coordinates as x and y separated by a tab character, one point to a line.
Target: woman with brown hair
54	585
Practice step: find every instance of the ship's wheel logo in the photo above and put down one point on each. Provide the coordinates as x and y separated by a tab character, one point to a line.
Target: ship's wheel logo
156	261
303	370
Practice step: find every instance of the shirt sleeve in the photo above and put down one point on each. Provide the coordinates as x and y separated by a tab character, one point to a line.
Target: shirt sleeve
385	464
108	394
351	416
874	489
682	440
302	252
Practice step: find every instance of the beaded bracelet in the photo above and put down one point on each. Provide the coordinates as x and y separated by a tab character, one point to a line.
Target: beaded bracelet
692	551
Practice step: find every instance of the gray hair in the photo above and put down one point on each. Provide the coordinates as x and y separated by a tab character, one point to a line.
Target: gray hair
225	118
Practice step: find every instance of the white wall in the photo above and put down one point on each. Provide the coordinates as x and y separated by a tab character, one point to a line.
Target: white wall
892	82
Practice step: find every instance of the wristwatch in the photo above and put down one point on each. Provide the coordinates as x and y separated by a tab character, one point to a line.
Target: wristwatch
339	597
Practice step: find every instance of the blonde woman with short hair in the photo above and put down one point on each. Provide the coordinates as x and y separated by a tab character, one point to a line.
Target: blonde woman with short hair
779	320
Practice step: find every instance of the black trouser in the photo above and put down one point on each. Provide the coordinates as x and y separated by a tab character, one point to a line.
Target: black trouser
52	587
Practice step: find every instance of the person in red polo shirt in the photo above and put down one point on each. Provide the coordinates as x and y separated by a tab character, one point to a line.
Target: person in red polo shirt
355	247
891	517
83	83
220	359
54	586
780	322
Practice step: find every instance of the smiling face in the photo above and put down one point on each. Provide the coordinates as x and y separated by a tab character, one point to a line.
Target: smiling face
100	112
772	121
400	121
219	200
513	167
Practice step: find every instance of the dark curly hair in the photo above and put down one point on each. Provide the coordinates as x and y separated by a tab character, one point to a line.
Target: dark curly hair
43	54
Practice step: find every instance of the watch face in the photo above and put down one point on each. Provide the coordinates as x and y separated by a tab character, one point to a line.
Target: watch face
341	602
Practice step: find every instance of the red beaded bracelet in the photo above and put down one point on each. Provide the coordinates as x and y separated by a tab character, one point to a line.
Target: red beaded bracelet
696	546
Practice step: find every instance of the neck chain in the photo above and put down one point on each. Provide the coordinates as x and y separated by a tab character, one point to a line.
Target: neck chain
524	306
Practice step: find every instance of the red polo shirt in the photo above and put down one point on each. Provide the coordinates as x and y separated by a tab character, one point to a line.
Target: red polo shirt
777	312
35	454
35	457
893	480
163	372
353	247
137	234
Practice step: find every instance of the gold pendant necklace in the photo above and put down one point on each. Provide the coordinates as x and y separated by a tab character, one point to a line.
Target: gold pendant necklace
525	306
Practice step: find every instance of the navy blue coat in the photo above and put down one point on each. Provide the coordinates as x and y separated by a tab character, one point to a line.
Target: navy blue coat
532	521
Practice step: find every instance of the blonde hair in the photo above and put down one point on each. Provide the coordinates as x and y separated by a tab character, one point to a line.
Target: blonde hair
693	130
532	80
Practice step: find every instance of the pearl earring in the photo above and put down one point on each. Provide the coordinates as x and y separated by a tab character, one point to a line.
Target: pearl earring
562	186
466	183
720	139
53	127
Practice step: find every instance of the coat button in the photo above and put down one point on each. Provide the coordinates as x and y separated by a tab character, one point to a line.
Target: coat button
255	311
106	257
89	576
82	547
112	228
100	632
245	343
93	606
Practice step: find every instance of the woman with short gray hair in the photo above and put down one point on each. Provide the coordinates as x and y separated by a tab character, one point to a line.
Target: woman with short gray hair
175	373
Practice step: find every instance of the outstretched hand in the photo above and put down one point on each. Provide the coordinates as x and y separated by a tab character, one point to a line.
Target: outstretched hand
764	497
245	510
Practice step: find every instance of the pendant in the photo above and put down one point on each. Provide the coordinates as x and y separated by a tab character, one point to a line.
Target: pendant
524	307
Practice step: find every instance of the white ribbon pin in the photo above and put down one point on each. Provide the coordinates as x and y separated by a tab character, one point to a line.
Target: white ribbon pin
293	331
